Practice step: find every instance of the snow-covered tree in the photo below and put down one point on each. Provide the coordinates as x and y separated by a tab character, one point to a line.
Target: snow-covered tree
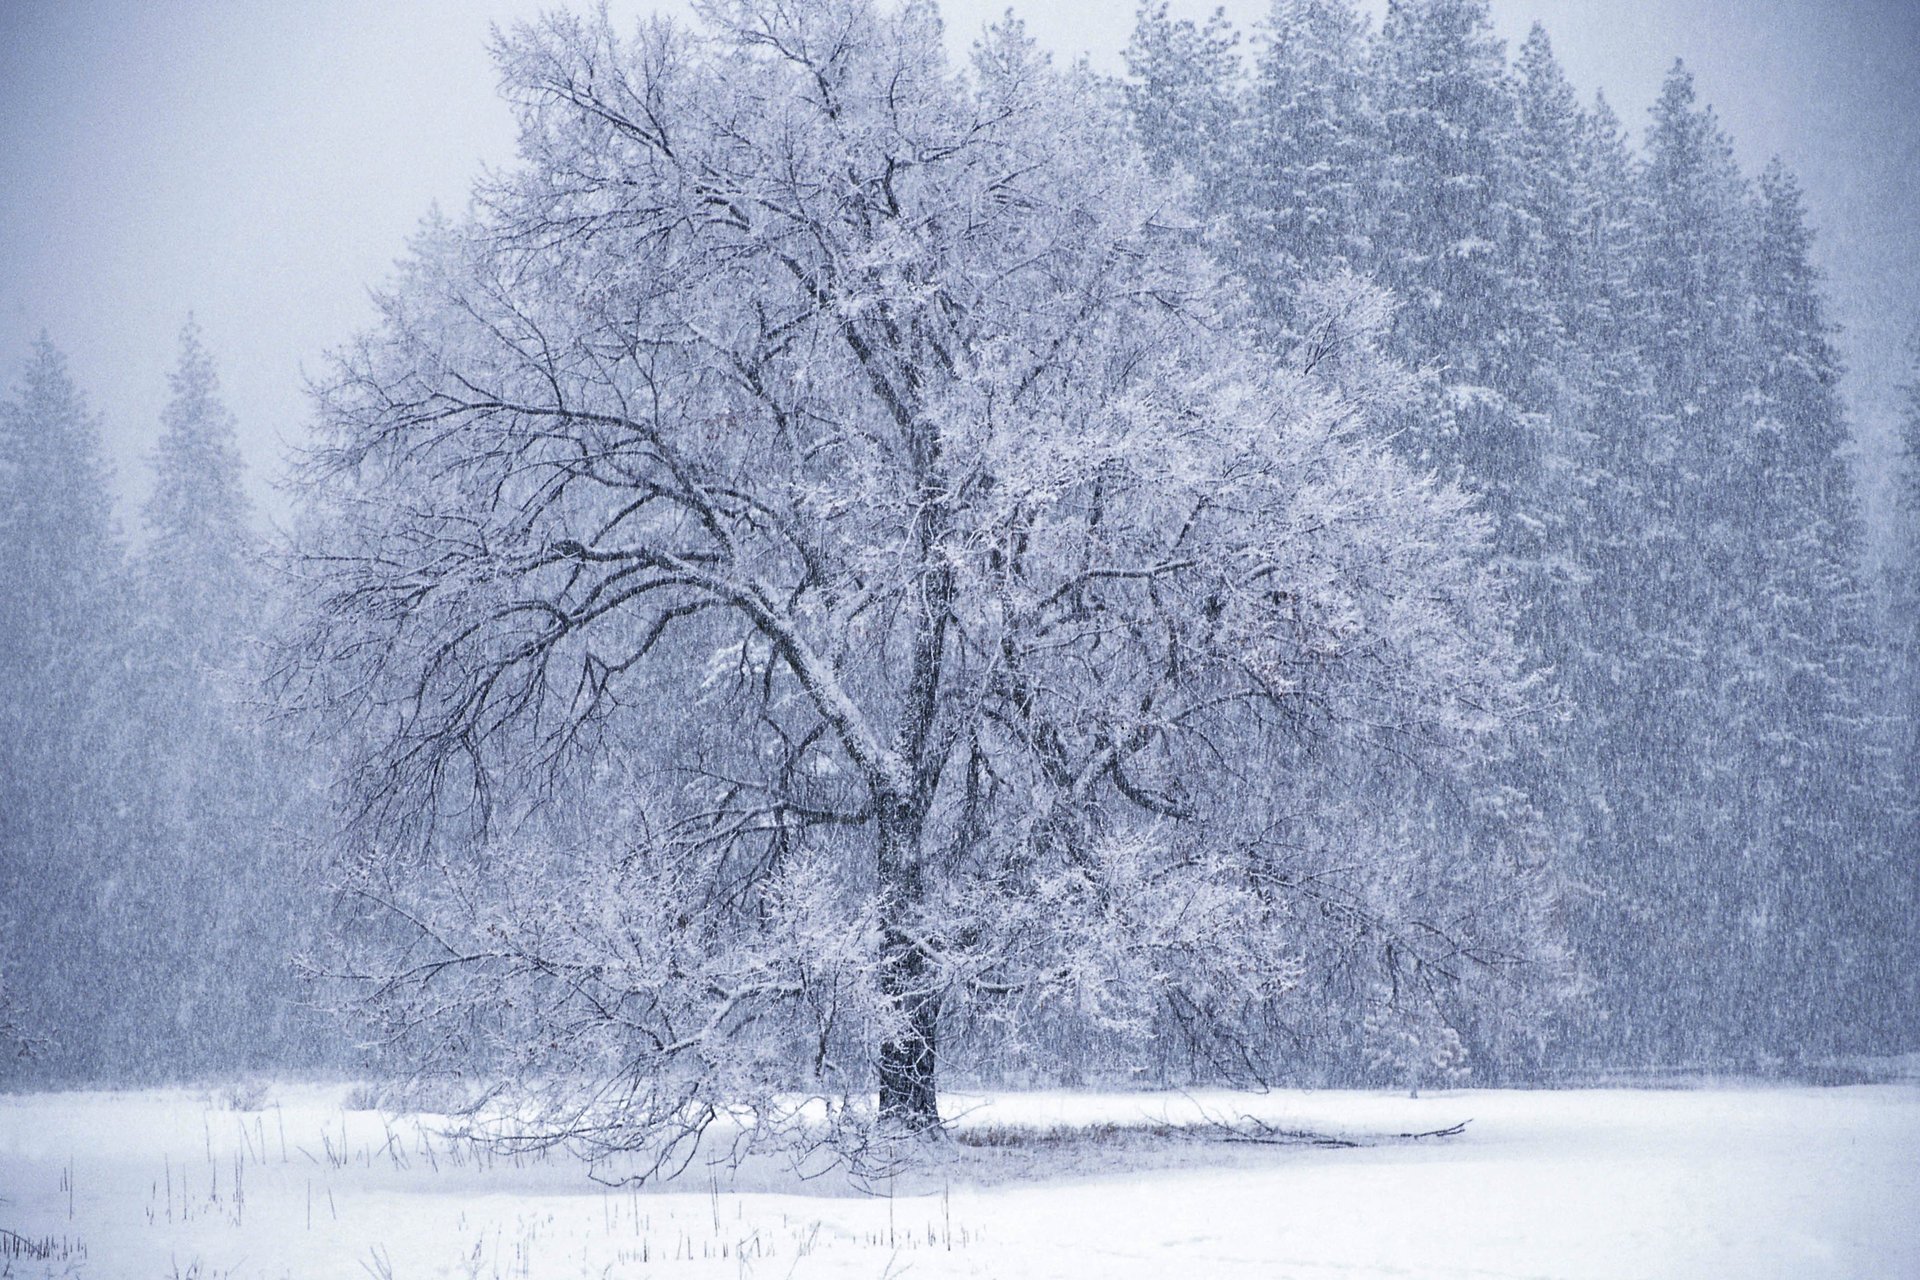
152	906
816	570
1728	637
1184	98
1550	191
1819	782
211	904
1440	89
60	587
197	517
1902	671
1311	154
1656	621
1602	410
1626	356
61	566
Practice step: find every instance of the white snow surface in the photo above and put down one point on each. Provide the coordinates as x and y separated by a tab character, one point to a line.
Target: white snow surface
1727	1181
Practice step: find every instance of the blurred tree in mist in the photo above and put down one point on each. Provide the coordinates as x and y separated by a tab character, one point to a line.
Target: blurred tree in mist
62	614
155	903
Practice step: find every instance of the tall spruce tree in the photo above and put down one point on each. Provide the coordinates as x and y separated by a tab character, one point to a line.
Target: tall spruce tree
1543	232
200	551
1183	97
1673	792
212	858
1604	403
1902	672
152	908
60	588
1448	227
1817	781
1439	86
1739	843
1311	143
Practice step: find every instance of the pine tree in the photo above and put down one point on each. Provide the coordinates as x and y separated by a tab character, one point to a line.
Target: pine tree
1901	677
1905	661
152	902
197	517
1816	784
1556	292
1311	143
1183	97
1546	208
1737	840
1672	793
57	521
1574	377
1691	287
60	587
1461	236
1439	86
1605	405
214	788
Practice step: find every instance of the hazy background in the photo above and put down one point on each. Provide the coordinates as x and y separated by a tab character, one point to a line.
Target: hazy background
261	164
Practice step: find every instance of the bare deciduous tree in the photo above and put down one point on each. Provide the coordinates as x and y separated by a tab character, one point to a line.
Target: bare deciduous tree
814	563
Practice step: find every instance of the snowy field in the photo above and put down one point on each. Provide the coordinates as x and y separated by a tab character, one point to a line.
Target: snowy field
1722	1182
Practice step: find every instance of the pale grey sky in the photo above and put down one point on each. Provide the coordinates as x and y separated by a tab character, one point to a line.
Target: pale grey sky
261	163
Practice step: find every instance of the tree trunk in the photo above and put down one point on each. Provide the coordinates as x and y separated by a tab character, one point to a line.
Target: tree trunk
909	1096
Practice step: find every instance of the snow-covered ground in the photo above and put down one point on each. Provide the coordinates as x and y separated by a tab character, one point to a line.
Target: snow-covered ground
1724	1182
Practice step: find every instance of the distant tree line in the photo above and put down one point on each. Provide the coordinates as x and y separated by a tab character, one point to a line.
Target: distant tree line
1626	351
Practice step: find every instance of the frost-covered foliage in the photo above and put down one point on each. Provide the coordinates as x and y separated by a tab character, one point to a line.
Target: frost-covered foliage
814	572
1627	355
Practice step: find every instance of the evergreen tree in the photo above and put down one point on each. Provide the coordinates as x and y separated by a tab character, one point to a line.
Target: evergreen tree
60	587
209	855
1311	144
200	543
1673	792
1183	98
1604	405
1732	648
1557	292
1902	669
1691	285
152	909
1439	85
1465	240
1546	207
1448	224
1814	783
1574	522
57	520
1907	623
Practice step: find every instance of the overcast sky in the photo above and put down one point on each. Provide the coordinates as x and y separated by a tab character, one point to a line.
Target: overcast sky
261	163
